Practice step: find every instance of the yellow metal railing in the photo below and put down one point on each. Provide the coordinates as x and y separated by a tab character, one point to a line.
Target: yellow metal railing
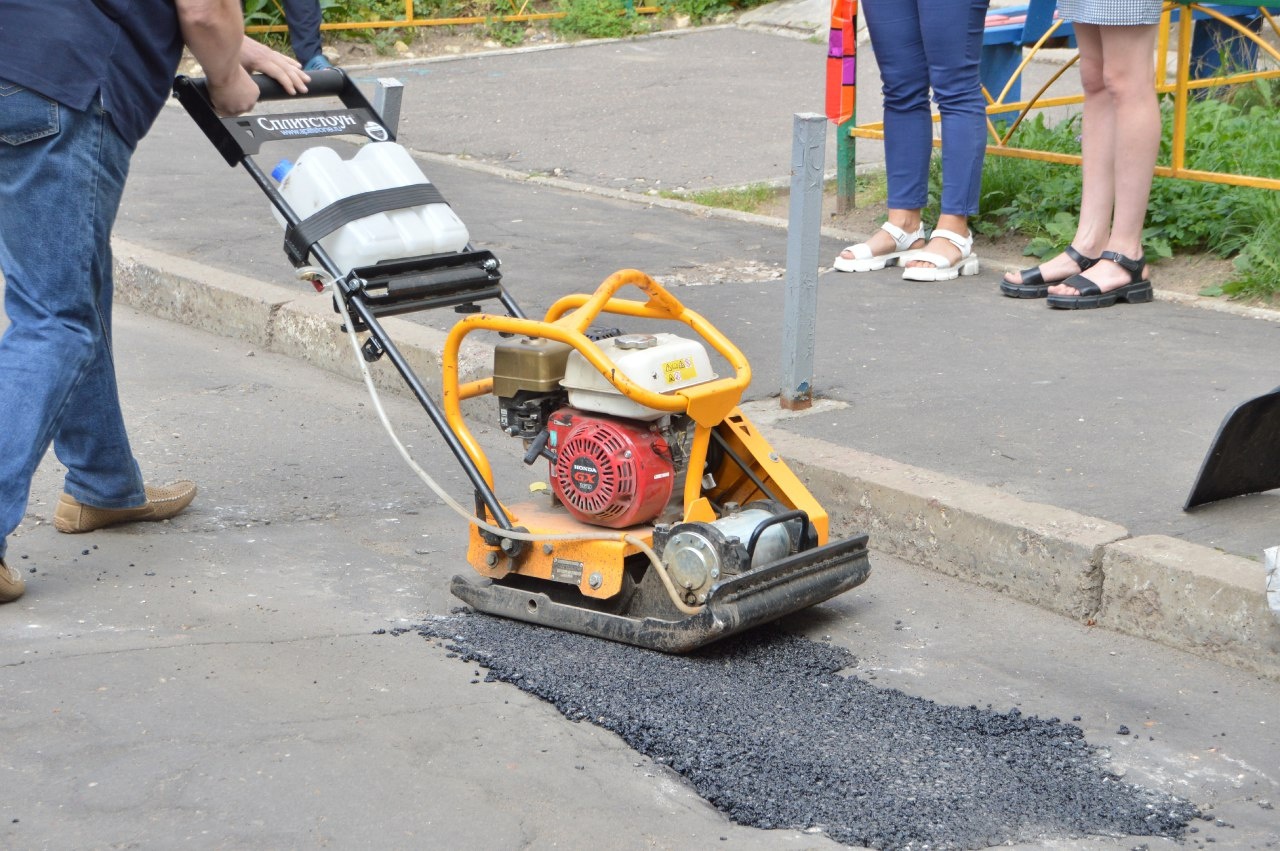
519	14
1181	88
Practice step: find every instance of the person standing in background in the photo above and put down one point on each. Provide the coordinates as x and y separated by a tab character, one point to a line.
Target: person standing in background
922	45
304	18
68	130
1119	142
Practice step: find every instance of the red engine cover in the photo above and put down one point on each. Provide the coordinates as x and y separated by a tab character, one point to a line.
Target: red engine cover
609	472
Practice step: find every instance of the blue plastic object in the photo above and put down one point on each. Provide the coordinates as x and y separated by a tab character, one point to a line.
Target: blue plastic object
282	168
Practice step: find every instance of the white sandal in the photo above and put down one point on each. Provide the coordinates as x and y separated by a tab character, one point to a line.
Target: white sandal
864	261
943	269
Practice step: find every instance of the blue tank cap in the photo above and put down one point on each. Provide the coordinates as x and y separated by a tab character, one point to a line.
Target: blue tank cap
282	168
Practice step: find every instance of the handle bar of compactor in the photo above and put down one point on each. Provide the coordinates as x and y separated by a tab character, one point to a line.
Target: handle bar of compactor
240	138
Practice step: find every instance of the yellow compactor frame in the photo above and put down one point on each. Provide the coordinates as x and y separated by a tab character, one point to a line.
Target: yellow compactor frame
711	405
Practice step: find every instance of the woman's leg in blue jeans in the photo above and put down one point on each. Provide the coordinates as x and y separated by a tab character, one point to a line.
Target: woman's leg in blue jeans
894	27
921	44
951	34
952	37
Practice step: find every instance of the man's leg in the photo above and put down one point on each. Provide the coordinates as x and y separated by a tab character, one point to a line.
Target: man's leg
304	19
61	176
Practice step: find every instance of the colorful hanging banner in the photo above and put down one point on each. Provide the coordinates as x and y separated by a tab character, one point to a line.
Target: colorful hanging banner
842	63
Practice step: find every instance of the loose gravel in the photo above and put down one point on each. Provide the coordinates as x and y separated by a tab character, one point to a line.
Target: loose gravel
768	729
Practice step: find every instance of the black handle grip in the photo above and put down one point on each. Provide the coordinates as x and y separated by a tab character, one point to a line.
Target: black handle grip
327	83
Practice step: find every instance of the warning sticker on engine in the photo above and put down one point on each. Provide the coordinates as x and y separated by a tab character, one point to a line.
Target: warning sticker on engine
677	371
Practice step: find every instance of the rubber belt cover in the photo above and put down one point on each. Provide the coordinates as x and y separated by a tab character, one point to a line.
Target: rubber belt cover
299	238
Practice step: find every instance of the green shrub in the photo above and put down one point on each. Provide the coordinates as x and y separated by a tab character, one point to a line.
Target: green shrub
507	33
1007	204
452	8
699	10
597	19
362	10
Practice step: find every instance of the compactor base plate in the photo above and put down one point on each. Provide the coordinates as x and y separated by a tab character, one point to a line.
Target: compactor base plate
738	603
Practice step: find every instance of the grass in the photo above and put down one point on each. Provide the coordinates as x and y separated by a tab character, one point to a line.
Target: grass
744	199
870	190
597	19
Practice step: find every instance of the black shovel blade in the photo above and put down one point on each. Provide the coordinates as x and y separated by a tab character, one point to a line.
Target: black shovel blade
1245	455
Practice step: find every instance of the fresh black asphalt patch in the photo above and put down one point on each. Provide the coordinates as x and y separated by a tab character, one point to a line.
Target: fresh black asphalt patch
768	729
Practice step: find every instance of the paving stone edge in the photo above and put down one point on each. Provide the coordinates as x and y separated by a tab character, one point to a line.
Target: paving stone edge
1180	594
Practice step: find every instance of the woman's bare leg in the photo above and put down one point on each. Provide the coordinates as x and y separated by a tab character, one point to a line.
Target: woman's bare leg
1098	141
1133	133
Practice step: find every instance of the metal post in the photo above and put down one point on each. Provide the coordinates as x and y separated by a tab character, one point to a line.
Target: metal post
804	224
387	95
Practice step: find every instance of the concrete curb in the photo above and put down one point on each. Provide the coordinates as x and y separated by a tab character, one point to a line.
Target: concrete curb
1167	590
292	321
1036	553
1164	589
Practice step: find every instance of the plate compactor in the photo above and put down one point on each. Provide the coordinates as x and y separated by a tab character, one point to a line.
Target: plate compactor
669	521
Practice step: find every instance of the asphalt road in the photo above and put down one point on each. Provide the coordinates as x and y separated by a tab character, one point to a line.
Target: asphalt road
219	681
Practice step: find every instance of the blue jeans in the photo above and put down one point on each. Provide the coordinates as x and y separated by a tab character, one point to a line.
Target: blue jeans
303	18
923	44
61	176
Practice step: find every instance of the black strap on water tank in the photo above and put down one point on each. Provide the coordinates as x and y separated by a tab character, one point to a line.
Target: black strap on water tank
299	238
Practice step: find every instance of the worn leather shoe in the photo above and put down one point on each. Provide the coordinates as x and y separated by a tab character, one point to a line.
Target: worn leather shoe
73	516
11	583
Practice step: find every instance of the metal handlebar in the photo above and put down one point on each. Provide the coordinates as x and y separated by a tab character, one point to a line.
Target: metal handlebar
331	82
327	83
236	138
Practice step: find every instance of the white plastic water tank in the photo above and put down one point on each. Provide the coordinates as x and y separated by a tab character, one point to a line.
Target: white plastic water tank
659	362
320	177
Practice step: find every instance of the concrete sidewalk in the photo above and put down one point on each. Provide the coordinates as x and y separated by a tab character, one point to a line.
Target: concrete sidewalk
1042	453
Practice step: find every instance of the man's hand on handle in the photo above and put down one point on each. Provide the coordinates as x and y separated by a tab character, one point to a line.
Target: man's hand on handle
257	58
214	30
